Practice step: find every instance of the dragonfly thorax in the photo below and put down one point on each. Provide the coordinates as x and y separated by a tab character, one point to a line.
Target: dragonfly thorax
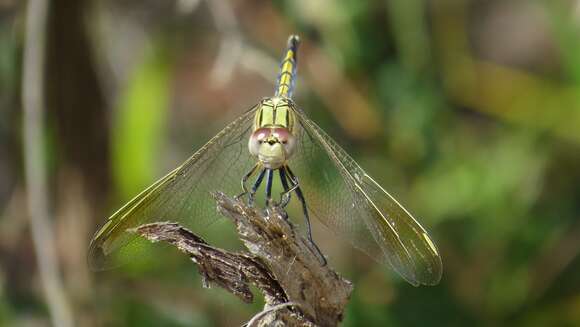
275	111
273	145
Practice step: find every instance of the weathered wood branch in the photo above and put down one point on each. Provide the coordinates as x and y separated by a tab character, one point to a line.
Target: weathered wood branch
298	289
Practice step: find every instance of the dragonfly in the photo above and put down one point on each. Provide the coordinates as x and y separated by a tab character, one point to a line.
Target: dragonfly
275	142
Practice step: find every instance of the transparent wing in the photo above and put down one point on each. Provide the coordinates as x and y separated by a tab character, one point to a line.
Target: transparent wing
348	201
182	196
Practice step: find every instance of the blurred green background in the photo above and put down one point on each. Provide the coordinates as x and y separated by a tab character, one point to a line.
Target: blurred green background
468	111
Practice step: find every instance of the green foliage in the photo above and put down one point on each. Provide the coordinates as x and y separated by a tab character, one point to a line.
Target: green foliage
481	172
477	135
140	119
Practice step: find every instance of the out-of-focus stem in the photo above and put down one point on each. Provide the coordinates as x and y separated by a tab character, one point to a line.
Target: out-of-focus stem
231	42
34	157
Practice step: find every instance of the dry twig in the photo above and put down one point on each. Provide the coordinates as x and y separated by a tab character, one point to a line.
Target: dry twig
298	290
35	158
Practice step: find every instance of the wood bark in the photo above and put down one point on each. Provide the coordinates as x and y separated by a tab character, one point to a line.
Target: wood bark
298	289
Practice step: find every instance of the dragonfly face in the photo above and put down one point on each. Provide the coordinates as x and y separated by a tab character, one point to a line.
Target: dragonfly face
272	141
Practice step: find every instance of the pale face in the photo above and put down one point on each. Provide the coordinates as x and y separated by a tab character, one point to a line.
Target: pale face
273	145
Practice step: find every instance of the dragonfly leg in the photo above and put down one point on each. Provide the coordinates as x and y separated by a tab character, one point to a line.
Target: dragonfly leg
286	195
255	187
245	179
269	187
294	181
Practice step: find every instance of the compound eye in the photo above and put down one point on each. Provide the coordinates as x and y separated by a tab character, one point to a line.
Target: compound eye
258	137
282	134
286	138
261	134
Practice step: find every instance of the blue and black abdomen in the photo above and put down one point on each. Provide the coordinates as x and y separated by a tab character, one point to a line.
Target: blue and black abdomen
287	76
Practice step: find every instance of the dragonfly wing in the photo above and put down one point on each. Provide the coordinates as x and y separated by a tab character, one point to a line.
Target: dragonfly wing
181	196
351	203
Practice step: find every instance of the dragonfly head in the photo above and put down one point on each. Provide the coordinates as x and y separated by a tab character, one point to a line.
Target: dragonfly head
273	145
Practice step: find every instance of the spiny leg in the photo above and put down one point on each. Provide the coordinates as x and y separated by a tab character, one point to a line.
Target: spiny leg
286	195
255	187
245	179
298	191
294	182
269	186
